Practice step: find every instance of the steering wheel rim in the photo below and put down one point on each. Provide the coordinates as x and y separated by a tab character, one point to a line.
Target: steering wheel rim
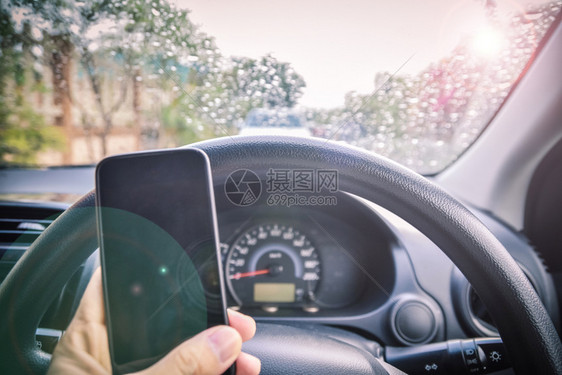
528	333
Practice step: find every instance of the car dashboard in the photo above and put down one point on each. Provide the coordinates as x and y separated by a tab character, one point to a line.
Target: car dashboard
353	265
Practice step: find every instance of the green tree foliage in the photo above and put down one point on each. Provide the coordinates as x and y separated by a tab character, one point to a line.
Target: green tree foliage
23	132
135	56
179	128
266	82
243	84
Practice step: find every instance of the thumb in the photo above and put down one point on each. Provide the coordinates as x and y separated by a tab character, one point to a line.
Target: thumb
211	352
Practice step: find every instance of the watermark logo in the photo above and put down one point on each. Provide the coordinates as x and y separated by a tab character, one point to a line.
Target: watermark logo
284	187
302	181
243	187
301	187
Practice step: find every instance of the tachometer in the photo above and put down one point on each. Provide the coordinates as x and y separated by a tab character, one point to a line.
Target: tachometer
273	265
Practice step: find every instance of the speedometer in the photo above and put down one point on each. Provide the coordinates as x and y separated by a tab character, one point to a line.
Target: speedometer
272	265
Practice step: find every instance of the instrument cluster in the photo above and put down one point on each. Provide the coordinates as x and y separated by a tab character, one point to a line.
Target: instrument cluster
318	260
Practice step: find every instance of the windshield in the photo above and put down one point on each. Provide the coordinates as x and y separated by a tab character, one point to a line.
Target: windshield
411	80
272	119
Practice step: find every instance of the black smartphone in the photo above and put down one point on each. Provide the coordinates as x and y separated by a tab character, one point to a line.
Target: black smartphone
158	238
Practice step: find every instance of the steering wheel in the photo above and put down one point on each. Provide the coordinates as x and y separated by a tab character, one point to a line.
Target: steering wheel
525	327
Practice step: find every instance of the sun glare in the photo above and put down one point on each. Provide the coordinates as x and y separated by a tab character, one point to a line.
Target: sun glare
488	42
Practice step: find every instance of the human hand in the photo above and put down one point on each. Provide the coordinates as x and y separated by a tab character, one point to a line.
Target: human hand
84	348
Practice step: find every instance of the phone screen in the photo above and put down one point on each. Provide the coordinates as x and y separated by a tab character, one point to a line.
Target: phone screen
159	251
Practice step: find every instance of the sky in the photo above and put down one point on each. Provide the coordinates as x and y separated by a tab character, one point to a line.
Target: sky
339	46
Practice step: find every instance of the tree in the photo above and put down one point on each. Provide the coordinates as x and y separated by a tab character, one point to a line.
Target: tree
153	43
265	82
139	39
147	50
242	84
23	131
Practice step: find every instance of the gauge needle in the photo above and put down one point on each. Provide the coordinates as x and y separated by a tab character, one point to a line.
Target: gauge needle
248	274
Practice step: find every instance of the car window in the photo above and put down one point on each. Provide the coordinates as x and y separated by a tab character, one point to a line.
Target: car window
414	81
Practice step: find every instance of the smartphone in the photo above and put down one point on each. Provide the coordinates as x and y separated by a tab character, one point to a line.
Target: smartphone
158	238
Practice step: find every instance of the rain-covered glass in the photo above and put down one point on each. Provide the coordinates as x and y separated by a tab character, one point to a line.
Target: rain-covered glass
85	79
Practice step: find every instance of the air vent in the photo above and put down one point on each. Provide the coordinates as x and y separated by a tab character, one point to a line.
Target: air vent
20	224
470	309
480	316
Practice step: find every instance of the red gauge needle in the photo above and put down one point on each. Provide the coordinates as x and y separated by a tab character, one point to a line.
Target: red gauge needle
248	274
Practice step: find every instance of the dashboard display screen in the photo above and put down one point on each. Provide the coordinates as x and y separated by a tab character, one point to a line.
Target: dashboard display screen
274	292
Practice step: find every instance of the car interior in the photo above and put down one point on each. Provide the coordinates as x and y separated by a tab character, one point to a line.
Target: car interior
453	272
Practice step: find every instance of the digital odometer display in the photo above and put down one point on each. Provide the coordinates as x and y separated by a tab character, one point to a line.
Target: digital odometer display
274	292
273	264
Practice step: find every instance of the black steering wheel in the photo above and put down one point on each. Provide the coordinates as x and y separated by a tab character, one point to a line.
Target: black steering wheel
525	327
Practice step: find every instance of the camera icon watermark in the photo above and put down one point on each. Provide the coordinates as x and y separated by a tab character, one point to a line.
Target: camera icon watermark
284	187
243	187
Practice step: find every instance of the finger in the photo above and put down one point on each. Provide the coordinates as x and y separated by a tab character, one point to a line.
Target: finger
212	351
244	324
91	306
83	348
247	364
